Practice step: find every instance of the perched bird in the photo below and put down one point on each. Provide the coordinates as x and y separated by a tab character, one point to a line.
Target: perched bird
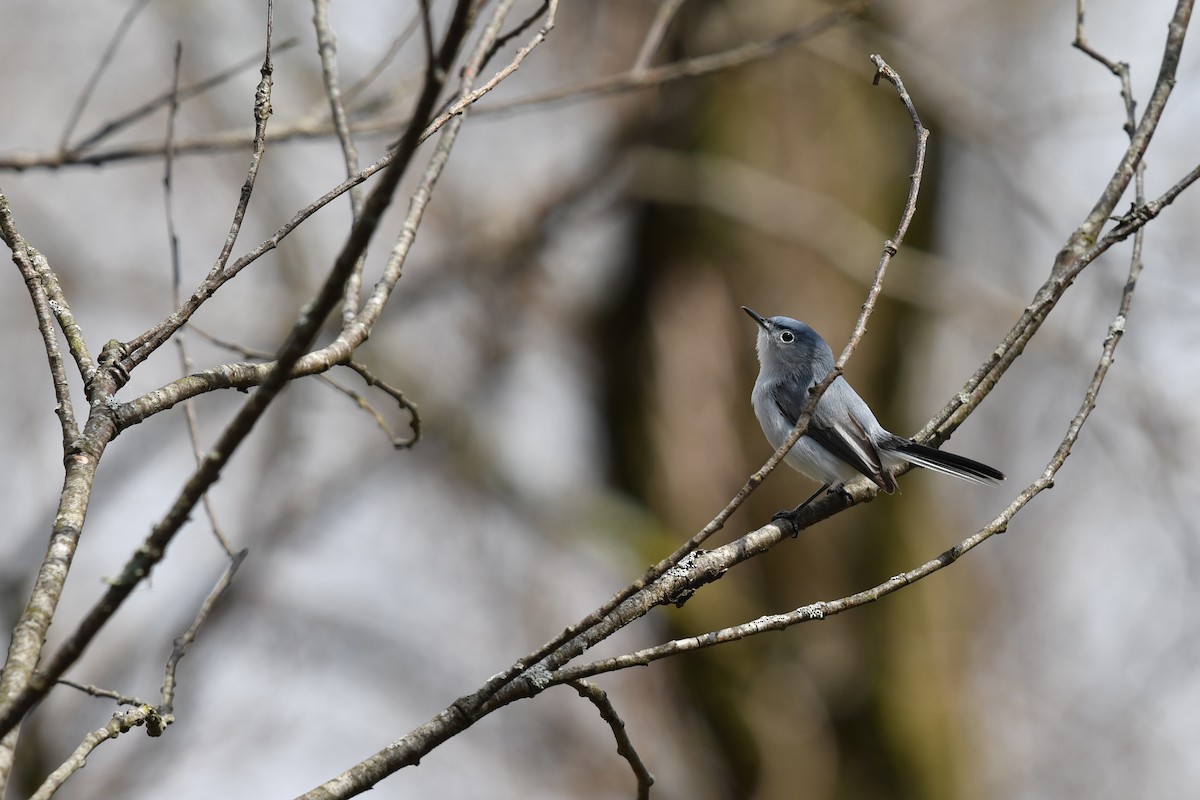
844	440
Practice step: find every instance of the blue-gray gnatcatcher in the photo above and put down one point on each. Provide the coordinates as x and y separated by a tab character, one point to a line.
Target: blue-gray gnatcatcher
844	440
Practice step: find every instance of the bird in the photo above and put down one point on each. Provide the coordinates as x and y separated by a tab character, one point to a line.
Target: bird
843	440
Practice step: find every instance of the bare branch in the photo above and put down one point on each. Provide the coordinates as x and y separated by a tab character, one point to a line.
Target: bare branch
120	723
890	248
689	68
176	97
140	348
302	335
311	129
167	707
459	105
96	691
667	10
105	59
1081	248
599	698
414	414
327	48
35	271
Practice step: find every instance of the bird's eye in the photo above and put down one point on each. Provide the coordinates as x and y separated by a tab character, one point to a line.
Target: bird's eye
787	337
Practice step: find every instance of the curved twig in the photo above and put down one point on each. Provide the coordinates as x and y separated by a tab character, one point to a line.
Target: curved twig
599	698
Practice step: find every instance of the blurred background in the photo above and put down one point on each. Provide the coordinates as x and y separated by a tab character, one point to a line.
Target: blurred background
569	324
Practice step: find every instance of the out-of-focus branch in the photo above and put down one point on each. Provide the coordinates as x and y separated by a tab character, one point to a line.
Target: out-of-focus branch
181	94
94	79
643	78
327	49
632	80
666	12
181	348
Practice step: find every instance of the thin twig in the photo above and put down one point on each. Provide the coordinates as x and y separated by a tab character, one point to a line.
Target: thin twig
327	49
310	129
414	414
890	247
688	68
109	694
179	648
389	55
599	698
543	10
464	101
105	59
666	12
1117	68
120	723
140	348
33	267
185	361
183	93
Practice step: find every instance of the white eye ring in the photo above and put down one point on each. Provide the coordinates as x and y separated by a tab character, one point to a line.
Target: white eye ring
787	337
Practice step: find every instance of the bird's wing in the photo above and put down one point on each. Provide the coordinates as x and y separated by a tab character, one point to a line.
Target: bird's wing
844	437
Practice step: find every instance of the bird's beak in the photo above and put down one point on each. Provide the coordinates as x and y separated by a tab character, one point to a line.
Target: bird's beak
762	323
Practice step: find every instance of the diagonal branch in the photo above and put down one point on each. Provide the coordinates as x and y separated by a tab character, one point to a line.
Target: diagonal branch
631	80
121	722
179	648
94	79
1081	248
301	337
183	93
641	77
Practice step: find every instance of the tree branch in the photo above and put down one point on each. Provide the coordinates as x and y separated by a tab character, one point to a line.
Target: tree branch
311	318
599	698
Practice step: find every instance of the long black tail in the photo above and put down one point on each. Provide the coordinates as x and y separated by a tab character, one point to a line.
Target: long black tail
947	463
